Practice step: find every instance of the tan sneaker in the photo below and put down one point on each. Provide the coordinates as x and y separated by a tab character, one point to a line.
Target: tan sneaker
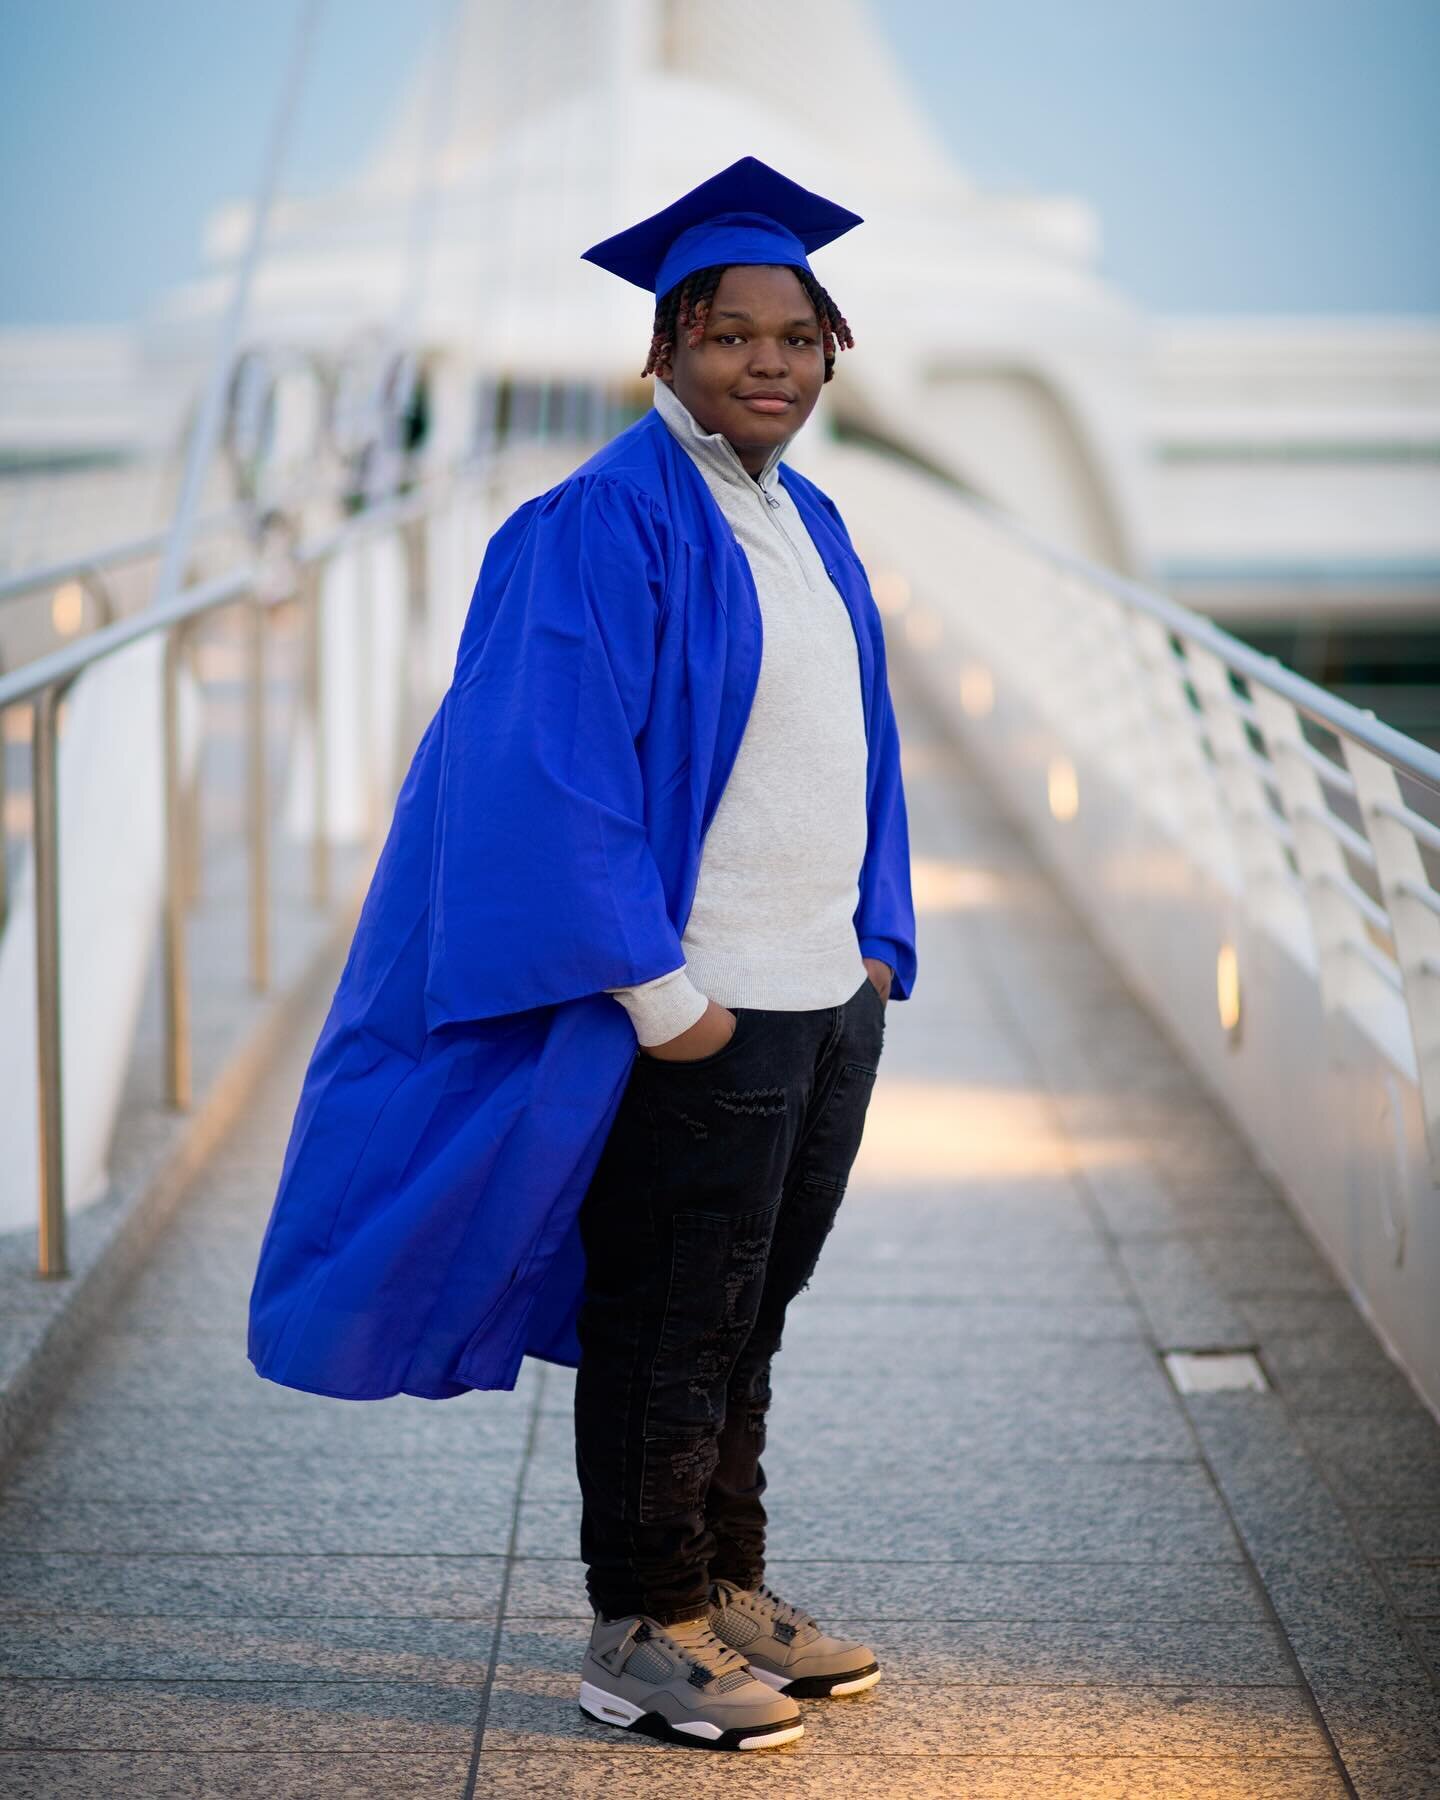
785	1647
680	1682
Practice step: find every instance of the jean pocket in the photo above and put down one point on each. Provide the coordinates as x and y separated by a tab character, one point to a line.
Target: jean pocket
742	1015
877	999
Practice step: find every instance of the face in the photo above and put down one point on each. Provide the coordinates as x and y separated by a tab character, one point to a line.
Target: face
758	369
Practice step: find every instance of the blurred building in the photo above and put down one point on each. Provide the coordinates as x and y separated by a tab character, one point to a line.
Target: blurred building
1281	475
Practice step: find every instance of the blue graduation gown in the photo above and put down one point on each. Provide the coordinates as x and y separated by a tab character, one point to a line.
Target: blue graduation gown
544	847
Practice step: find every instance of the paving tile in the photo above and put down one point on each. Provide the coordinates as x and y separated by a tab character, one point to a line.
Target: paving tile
412	1521
1394	1778
1425	1634
806	1769
817	1319
1117	1512
235	1648
121	1775
1341	1623
1395	1482
1411	1437
1131	1512
1326	1316
928	1431
1182	1301
890	1344
950	1220
1033	1278
237	1716
1383	1724
1268	1265
1281	1501
1349	1394
158	1582
1409	1532
176	1470
86	1430
1415	1583
1033	1592
1349	1348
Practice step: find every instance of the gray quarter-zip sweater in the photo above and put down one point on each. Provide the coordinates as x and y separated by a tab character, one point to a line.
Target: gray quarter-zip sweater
772	924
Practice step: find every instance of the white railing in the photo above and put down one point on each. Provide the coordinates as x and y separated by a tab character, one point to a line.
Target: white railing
1259	857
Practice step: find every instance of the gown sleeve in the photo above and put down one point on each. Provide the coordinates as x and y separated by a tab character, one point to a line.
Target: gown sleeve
544	887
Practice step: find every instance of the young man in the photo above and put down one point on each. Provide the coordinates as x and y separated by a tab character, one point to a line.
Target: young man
541	1121
743	1114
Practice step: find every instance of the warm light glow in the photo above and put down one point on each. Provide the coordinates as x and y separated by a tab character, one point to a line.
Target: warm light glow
1227	986
891	591
923	629
977	690
19	724
221	660
936	1131
1064	788
923	759
939	885
67	608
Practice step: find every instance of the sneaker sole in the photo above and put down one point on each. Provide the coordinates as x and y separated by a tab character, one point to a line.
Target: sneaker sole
700	1734
819	1687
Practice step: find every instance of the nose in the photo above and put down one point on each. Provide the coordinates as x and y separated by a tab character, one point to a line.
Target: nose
769	357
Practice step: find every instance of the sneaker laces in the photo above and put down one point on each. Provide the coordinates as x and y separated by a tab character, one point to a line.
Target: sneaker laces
781	1611
704	1650
787	1614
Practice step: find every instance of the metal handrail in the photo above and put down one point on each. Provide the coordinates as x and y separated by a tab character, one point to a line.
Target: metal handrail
1413	759
76	568
61	667
65	664
44	682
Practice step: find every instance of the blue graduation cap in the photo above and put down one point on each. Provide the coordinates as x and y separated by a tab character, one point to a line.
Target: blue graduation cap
748	213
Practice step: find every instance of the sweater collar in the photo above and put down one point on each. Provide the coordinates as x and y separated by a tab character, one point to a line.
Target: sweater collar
712	450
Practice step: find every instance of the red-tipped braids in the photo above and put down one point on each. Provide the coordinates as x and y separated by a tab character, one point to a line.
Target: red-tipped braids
686	305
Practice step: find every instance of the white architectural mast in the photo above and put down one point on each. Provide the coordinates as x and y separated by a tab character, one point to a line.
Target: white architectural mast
206	433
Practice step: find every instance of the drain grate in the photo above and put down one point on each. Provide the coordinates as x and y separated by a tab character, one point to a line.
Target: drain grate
1215	1371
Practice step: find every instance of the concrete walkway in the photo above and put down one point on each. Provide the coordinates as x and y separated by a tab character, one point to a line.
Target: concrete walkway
1080	1582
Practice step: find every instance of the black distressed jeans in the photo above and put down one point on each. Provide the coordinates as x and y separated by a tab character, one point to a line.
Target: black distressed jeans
719	1180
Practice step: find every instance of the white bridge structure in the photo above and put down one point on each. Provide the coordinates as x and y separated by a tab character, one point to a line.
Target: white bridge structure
423	346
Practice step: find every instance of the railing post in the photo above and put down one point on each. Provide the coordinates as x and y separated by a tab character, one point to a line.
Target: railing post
412	661
4	834
312	601
1415	927
365	632
1265	875
175	969
189	804
1333	921
257	795
1186	795
51	1125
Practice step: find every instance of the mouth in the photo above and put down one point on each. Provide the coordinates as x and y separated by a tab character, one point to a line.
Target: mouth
767	400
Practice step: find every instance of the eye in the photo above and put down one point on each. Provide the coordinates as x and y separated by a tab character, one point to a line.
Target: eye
801	337
727	337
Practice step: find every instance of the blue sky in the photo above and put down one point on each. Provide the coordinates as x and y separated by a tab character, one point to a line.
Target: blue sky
1245	155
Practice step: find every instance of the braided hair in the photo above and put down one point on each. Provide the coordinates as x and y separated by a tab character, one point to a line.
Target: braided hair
687	305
